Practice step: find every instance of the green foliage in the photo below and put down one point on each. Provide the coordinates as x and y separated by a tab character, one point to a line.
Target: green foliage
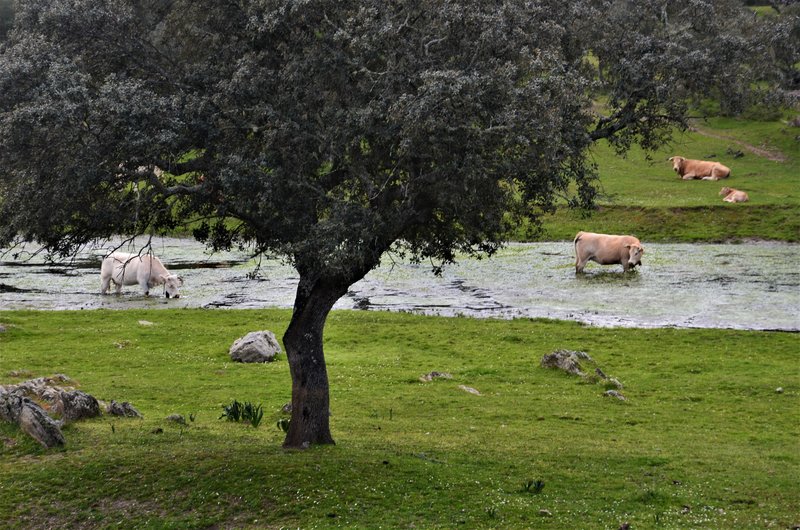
246	411
232	412
704	441
533	486
283	424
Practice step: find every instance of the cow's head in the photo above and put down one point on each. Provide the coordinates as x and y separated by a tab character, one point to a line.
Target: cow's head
171	284
725	191
635	254
677	163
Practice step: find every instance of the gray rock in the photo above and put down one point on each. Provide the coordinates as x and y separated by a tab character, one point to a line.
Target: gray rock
615	394
567	360
76	405
469	389
122	409
255	347
31	418
427	378
177	418
35	422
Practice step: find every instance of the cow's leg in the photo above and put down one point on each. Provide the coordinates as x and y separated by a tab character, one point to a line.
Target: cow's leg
712	177
105	281
580	264
117	286
688	176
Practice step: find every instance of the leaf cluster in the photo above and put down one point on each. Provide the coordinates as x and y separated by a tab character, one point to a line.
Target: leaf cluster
244	412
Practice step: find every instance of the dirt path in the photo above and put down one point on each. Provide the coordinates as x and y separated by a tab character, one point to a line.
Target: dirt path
769	154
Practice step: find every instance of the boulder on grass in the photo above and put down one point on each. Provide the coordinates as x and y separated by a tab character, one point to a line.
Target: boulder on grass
31	418
255	347
566	360
122	409
76	405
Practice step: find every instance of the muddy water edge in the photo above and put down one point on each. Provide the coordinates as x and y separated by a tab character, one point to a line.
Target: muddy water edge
741	286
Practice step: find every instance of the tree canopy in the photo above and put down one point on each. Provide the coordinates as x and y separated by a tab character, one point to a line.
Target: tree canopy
332	131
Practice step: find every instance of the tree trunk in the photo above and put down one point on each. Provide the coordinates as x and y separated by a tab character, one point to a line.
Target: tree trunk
303	341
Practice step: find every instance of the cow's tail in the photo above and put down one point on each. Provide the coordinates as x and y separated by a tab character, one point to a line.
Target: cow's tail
577	238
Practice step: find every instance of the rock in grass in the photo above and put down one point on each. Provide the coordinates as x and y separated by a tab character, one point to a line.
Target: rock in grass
427	378
122	409
566	360
469	389
76	405
31	418
177	418
255	347
614	394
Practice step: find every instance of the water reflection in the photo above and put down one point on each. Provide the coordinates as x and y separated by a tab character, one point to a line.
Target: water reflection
744	286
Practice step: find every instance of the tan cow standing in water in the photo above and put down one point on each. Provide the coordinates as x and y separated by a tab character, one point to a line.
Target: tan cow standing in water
607	250
733	195
689	169
131	269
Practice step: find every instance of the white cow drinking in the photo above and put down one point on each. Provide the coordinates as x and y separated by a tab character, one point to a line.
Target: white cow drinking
131	269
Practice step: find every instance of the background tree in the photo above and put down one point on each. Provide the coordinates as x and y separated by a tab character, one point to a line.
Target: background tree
332	131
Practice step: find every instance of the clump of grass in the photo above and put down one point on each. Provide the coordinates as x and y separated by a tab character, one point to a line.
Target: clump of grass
246	412
533	486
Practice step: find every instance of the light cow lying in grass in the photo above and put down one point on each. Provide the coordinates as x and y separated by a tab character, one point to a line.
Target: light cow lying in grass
607	250
131	269
733	195
689	169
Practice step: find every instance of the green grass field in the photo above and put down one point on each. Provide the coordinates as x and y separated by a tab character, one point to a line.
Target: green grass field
644	197
704	439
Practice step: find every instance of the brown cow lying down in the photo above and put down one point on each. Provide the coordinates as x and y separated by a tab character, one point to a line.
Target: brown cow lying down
732	195
689	169
607	250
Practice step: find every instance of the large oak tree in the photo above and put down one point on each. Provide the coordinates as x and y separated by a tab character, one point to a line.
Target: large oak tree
332	131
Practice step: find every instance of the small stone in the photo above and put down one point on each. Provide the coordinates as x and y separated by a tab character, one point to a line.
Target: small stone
469	389
123	409
614	393
779	390
177	418
545	513
434	375
145	323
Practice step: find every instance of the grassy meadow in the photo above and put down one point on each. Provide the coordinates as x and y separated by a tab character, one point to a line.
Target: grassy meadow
704	440
644	197
707	438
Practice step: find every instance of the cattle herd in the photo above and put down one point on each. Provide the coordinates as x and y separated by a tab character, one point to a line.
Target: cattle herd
627	250
147	270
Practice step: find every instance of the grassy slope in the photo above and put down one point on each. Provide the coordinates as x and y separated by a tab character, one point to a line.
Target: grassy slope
645	198
704	440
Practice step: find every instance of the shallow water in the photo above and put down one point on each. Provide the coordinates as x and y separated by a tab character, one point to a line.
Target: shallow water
742	286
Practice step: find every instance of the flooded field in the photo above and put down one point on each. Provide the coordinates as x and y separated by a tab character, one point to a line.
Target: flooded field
741	286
